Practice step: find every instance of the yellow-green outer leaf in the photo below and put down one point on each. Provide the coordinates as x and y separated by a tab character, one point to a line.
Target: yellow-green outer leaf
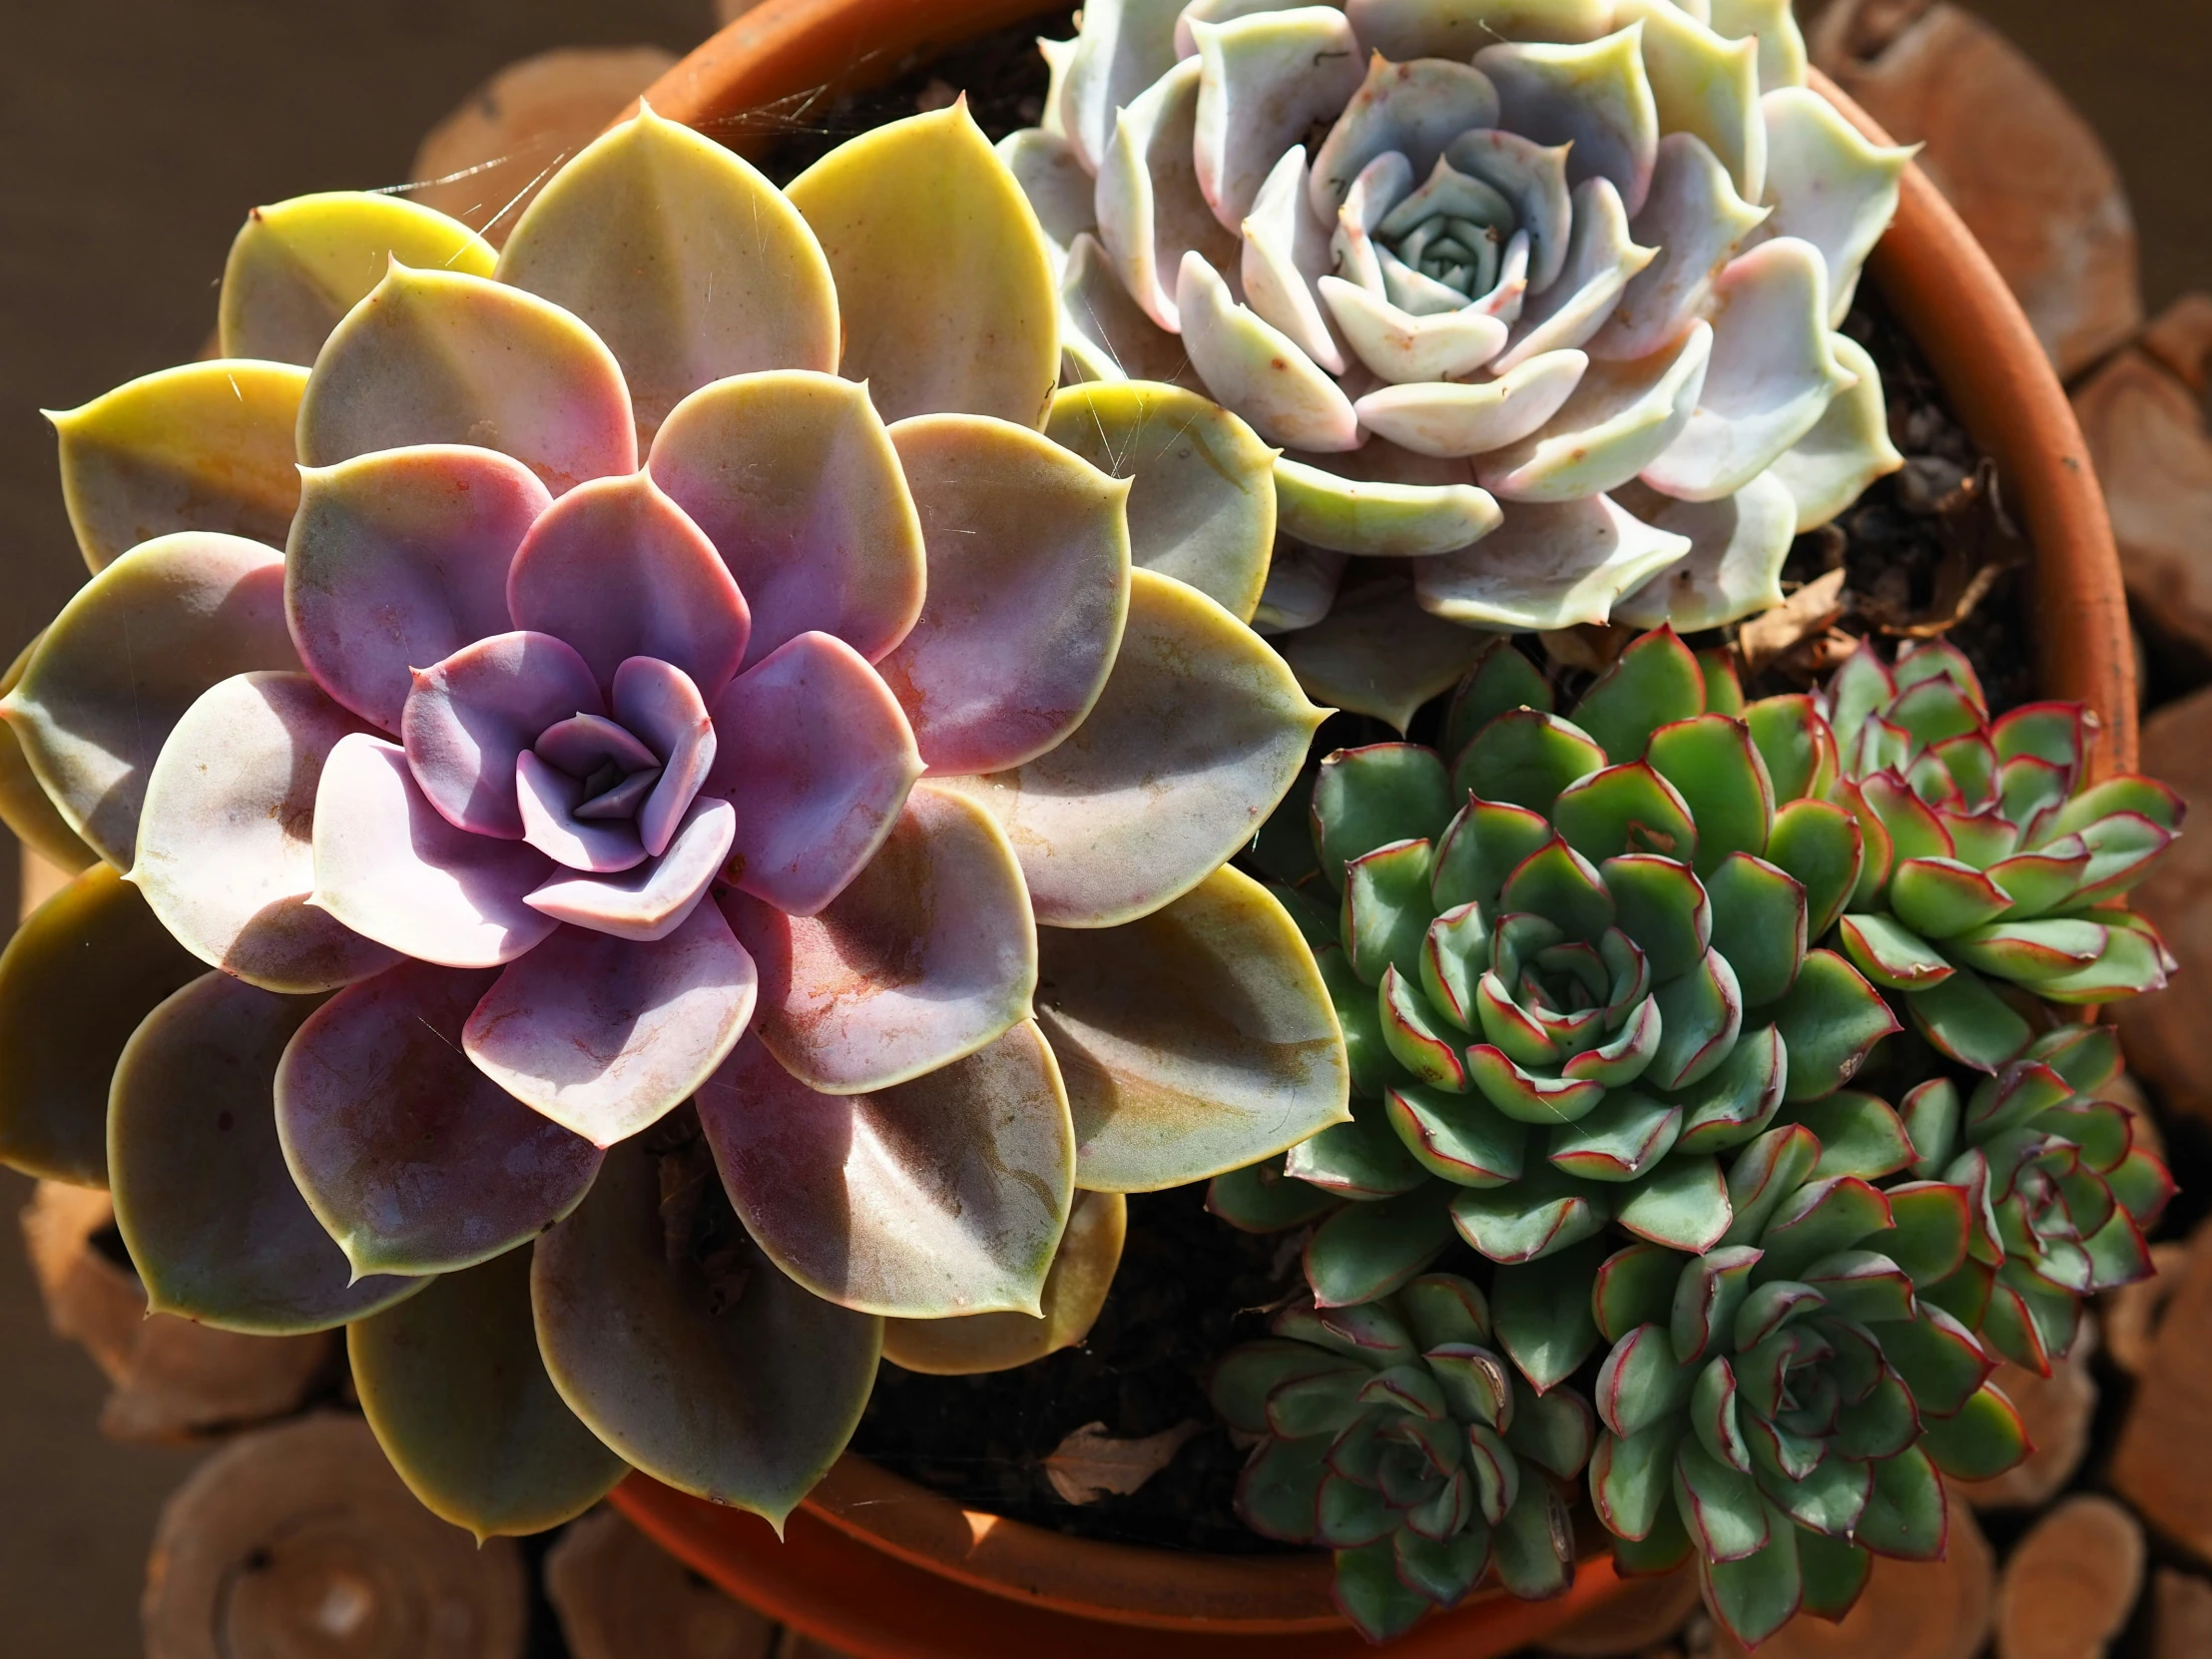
1196	1041
1074	1291
208	446
81	973
682	258
25	808
944	280
452	1385
297	267
1202	507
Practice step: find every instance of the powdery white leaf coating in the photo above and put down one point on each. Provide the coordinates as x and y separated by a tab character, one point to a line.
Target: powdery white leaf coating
1058	186
1463	418
1734	566
226	856
607	1035
1847	449
927	954
413	1159
1549	565
1104	333
418	539
1412	505
1286	252
471	717
1150	209
1377	653
1595	97
1697	221
1254	368
1828	186
1705	85
1413	110
941	1196
1264	80
653	899
1619	419
206	447
127	655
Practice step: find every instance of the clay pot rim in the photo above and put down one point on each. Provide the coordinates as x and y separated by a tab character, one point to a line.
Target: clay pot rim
1949	296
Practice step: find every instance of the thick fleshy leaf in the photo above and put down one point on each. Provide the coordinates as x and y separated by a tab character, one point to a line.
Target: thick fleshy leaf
207	1209
1683	1204
1831	1020
1773	374
747	1404
1366	798
1123	47
1403	517
208	446
1595	97
926	955
298	266
25	808
1829	185
1734	566
1104	333
1547	566
226	858
605	1035
817	753
1264	80
945	286
942	1196
1601	257
651	901
1906	1517
1965	1019
793	477
420	541
388	865
1074	1292
1451	418
412	1159
1058	186
1196	1041
451	1382
1194	697
682	258
1543	1213
1257	369
1542	1314
1402	29
1201	501
1150	208
1705	84
1847	449
471	715
1286	249
1366	1251
1533	178
115	671
75	981
1377	653
1621	418
1697	221
1756	1596
1028	560
618	570
437	356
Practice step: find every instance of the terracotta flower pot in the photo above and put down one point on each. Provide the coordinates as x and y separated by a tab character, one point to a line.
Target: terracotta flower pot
886	1570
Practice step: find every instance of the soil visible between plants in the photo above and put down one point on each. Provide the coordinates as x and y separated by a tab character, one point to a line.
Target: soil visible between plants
1927	550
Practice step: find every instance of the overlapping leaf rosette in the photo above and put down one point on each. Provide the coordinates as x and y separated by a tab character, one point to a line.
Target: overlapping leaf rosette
1539	296
709	851
1568	995
1990	855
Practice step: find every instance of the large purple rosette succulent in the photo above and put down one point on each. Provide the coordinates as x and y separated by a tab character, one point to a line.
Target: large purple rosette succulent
695	678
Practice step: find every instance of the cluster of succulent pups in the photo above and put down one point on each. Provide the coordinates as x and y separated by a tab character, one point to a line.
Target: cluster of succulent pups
1603	981
654	809
1539	296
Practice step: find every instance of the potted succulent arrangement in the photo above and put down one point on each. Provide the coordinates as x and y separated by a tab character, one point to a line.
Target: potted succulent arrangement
685	808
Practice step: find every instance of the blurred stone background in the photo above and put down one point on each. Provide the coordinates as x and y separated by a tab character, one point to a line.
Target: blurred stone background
135	134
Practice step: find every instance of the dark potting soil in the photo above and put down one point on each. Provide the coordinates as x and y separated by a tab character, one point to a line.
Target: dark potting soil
1928	551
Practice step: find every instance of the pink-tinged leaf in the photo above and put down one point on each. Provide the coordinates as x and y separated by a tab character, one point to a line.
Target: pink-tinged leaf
943	1196
746	1401
389	867
658	702
398	559
653	900
126	657
619	570
815	754
1200	732
793	479
207	1209
471	714
547	799
690	263
226	858
412	1158
582	744
605	1035
1028	587
928	954
438	356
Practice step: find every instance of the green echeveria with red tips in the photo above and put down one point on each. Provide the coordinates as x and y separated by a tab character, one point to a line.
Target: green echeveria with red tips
1395	1434
1986	857
2059	1192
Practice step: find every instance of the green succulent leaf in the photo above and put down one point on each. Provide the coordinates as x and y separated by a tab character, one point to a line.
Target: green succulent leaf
1759	924
1626	809
1764	1174
1643	1382
1821	844
1904	1516
1665	1547
1367	1251
1542	1212
1892	954
1420	1041
1554	1430
1930	1112
1928	1231
1707	1292
1858	1135
1827	1499
1363	1159
1525	757
1757	1594
1724	686
1461	1138
1635	1286
1664	908
1315	925
1737	1101
1632	1478
452	1383
1526	1096
1967	1021
1796	744
1444	1307
1654	683
1682	1204
1831	1020
1368	798
1485	843
1542	1313
1979	1441
1835	1572
1454	957
1247	1375
1387	909
1368	1591
1721	1505
1818	1219
1374	1067
1261	1198
1444	1570
1533	1549
1701	1013
1713	1415
1711	760
1621	1139
1500	678
1937	897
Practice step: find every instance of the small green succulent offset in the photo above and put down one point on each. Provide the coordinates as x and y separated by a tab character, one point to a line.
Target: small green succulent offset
1988	864
1394	1433
1539	296
1598	985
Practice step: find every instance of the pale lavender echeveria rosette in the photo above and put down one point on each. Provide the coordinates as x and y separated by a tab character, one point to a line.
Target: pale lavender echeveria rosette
693	674
1536	295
